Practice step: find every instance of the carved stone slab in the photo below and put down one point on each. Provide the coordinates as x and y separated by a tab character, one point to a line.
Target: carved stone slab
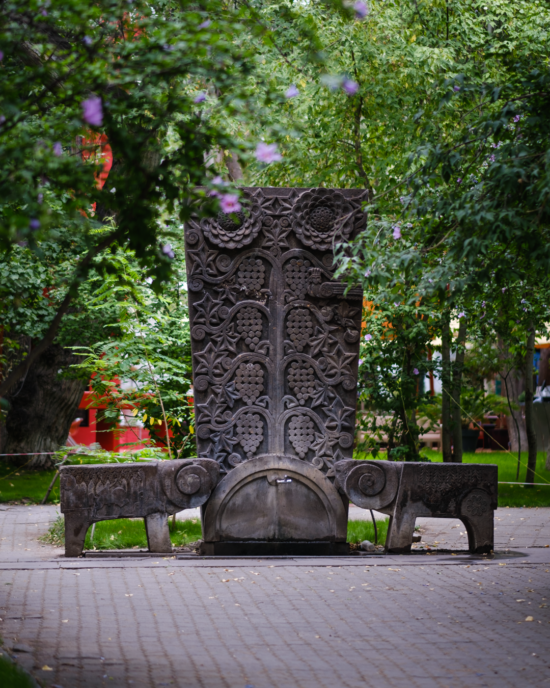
275	339
151	490
408	490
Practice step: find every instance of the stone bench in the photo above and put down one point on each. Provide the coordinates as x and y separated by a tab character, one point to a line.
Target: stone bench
152	491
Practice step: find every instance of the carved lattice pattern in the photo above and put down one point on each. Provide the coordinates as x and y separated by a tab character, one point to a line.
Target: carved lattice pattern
249	325
301	380
251	274
250	432
299	327
249	381
296	276
301	433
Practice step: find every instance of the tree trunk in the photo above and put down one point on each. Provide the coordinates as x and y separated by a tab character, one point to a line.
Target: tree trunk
513	385
529	419
42	408
446	384
456	411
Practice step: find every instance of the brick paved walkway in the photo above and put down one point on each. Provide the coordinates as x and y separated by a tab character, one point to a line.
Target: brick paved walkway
420	620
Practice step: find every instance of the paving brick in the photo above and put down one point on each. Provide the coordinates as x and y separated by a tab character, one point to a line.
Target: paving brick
299	623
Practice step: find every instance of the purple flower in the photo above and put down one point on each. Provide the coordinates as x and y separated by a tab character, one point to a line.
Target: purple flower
361	9
416	371
34	224
87	40
40	197
291	91
517	118
167	250
57	149
350	87
2	119
396	232
200	98
459	180
456	89
219	181
93	111
368	337
483	304
230	203
360	361
206	23
504	289
44	13
1	56
367	273
522	300
462	315
267	152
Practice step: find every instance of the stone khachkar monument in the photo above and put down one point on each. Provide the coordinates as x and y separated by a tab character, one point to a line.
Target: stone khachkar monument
275	343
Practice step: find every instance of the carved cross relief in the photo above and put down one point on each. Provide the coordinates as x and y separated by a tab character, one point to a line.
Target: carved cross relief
275	339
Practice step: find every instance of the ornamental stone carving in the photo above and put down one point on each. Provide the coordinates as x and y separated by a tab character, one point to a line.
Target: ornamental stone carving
274	361
234	230
323	217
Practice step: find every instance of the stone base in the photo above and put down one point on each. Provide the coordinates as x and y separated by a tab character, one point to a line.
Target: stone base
265	548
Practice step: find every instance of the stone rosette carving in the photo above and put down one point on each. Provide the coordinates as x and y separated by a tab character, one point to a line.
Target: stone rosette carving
321	216
234	230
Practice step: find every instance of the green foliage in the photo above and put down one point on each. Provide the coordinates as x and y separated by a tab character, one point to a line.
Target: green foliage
475	404
392	366
147	63
145	371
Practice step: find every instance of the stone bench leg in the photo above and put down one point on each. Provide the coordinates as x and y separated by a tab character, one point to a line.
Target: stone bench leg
76	527
478	516
158	533
400	533
480	533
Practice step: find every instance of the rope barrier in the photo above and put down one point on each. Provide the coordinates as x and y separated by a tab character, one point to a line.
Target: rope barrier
31	454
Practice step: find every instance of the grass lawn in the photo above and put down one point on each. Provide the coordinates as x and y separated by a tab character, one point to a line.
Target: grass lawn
512	495
19	485
11	676
128	533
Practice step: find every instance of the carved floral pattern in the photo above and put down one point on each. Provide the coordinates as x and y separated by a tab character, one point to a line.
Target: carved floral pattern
271	377
322	216
234	230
